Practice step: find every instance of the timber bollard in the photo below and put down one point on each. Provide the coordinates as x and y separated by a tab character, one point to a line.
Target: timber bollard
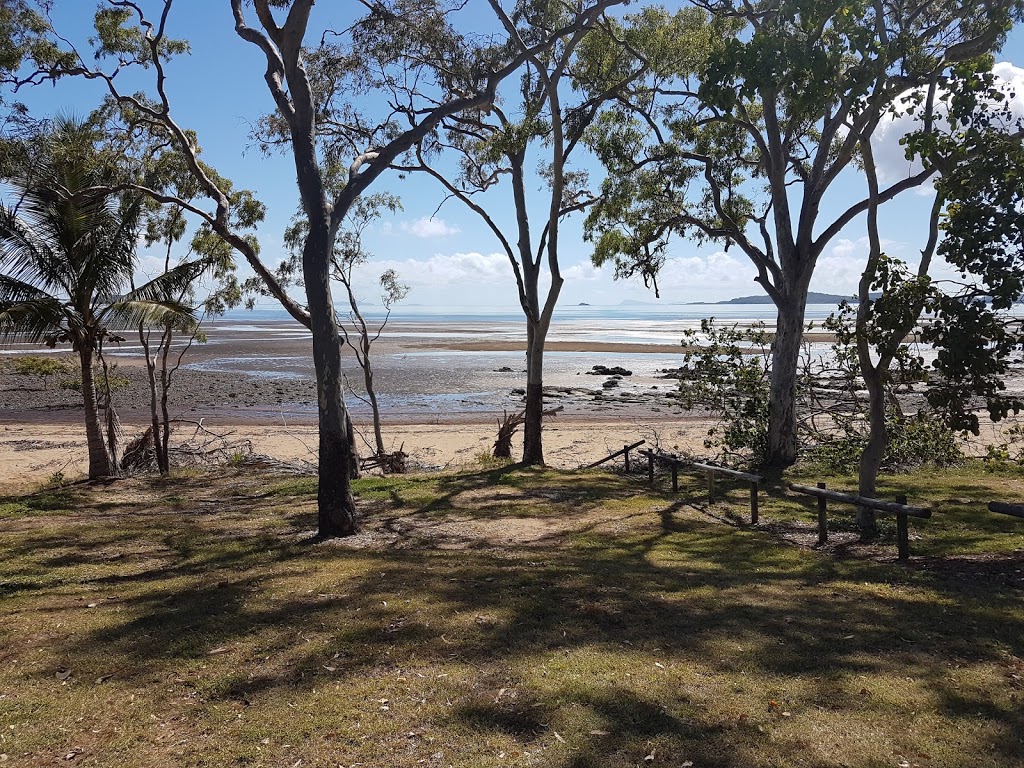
900	509
625	456
753	502
675	477
650	467
822	518
711	485
902	532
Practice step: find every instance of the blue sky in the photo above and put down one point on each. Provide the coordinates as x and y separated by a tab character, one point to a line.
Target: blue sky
449	258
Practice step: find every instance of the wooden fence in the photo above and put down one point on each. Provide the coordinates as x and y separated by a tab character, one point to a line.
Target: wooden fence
899	508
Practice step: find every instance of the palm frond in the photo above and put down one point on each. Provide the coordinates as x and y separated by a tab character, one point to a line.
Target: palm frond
130	313
173	283
26	255
27	314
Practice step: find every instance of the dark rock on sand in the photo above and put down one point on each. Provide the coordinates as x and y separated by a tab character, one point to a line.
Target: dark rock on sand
601	370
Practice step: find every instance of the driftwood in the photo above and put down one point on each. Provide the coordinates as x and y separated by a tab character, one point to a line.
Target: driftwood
202	447
140	455
507	428
388	463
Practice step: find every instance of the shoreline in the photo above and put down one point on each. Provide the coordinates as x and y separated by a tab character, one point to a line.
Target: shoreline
34	452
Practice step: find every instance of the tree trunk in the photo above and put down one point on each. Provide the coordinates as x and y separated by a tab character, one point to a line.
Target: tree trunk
336	507
378	436
874	451
99	458
533	447
353	450
783	443
154	401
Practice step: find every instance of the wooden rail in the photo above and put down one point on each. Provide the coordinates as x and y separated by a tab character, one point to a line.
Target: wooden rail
675	463
1016	510
624	452
899	508
754	480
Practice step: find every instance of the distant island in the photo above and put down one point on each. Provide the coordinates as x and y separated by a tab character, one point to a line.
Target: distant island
813	297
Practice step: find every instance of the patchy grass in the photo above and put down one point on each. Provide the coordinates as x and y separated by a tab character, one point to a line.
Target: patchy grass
504	617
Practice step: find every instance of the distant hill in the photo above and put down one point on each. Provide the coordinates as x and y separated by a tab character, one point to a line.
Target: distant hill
813	297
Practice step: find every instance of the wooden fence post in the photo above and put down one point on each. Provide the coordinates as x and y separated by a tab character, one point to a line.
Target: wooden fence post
822	519
650	467
711	485
902	532
675	477
753	502
625	457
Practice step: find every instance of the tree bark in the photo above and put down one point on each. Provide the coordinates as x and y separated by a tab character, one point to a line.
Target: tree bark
99	458
783	443
336	506
533	446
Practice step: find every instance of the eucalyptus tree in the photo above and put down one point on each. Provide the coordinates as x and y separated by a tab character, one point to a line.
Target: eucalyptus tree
67	258
547	116
344	108
745	152
966	131
349	254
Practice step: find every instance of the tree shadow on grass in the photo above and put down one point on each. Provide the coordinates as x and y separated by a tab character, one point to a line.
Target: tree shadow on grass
673	586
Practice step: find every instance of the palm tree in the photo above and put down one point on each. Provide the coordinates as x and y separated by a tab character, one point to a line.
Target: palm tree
67	251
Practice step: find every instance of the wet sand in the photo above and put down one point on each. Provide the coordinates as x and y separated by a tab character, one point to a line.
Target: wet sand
443	394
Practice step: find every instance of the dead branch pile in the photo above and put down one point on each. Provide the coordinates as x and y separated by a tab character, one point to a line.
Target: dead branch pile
202	448
507	428
263	462
388	463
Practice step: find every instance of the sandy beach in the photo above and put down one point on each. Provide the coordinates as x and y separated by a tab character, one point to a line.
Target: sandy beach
443	388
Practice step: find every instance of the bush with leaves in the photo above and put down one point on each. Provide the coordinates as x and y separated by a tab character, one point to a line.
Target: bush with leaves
41	366
725	370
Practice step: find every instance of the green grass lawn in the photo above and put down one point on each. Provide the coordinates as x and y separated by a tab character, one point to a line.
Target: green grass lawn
506	617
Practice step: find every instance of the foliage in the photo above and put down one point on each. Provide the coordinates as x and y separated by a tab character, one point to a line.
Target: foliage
977	339
67	259
922	439
745	151
43	366
725	370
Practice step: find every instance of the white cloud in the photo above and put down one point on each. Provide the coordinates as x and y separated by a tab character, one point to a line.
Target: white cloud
840	267
585	271
427	227
445	269
890	155
719	275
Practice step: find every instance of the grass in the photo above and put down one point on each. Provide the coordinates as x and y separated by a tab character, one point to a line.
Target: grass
504	617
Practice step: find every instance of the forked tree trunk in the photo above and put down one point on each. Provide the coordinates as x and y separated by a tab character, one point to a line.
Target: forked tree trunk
99	458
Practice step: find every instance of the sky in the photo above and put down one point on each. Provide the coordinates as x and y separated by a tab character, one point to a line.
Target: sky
447	256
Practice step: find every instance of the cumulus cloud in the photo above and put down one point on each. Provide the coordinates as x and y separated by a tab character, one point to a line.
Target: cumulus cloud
839	268
428	227
890	156
719	275
585	271
468	269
